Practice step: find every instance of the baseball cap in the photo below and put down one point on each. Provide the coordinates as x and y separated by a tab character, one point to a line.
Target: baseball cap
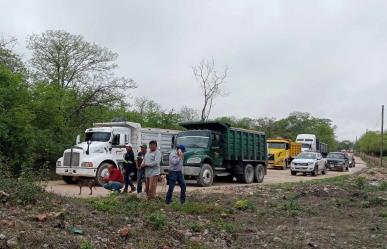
181	147
144	146
128	145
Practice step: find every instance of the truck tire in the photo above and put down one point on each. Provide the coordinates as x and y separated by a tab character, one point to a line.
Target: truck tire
102	172
259	173
293	172
69	179
206	176
248	173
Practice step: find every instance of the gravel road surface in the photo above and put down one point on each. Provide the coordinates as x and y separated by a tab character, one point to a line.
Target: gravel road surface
273	176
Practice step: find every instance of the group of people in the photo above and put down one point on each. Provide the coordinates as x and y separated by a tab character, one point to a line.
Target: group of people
147	163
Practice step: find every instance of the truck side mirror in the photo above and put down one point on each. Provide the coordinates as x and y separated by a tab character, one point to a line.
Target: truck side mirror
78	139
173	144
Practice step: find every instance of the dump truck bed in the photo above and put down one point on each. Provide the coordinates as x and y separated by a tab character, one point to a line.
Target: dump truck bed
295	149
245	145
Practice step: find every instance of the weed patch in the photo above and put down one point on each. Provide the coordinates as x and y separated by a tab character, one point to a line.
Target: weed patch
360	182
86	244
243	205
194	226
23	190
158	220
108	204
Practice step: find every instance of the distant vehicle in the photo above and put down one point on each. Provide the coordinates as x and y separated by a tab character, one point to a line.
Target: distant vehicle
351	159
308	163
337	161
282	152
214	149
311	143
104	144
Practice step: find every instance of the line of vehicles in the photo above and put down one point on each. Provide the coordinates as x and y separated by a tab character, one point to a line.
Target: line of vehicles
214	149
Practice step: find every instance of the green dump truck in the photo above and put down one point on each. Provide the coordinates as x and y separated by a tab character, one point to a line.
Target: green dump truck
214	149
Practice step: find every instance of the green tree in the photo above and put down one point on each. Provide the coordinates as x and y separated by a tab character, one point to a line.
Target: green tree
16	132
345	145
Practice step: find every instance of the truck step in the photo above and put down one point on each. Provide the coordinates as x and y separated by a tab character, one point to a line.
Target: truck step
222	174
220	169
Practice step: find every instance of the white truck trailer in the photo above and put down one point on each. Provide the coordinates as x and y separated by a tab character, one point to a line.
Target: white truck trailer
104	144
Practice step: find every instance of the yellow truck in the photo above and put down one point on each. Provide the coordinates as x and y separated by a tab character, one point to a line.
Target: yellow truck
282	151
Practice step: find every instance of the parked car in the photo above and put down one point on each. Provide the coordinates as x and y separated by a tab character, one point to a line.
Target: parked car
351	159
338	161
308	163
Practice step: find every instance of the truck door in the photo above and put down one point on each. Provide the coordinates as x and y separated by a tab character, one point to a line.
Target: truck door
287	151
118	147
217	147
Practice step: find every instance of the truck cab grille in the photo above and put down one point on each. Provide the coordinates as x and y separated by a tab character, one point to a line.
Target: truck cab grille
71	159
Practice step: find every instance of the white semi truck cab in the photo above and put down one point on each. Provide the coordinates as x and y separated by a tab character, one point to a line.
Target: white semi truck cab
311	143
104	144
308	142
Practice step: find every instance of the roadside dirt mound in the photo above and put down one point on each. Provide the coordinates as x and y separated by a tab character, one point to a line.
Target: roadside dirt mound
375	174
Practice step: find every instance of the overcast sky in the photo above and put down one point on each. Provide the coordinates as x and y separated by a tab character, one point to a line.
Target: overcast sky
323	57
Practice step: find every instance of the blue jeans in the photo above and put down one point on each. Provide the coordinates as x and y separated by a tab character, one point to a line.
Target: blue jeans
127	180
115	186
173	177
140	177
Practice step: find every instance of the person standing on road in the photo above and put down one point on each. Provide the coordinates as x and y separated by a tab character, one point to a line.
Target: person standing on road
176	159
128	168
115	179
151	164
140	171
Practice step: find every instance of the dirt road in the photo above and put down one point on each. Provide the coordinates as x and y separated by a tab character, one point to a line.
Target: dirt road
273	176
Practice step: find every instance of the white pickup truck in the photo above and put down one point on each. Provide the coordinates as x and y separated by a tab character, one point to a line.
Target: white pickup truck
104	144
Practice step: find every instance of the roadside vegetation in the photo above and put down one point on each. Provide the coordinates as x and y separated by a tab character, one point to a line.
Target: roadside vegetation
340	212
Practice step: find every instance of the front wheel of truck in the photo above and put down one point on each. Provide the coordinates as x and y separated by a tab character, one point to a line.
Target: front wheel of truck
102	172
206	175
259	173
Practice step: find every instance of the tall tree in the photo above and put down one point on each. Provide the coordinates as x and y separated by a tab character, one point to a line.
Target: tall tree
10	59
211	82
70	62
16	132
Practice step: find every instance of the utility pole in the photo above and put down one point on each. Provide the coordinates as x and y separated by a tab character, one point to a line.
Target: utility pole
381	139
356	147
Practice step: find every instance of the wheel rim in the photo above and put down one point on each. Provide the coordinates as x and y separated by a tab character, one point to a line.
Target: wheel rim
249	173
207	176
103	173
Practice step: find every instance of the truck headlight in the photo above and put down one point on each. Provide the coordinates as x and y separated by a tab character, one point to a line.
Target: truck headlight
58	163
194	160
310	163
87	164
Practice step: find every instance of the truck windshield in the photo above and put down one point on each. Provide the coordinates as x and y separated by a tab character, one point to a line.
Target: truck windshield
335	156
98	136
193	141
306	146
277	145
